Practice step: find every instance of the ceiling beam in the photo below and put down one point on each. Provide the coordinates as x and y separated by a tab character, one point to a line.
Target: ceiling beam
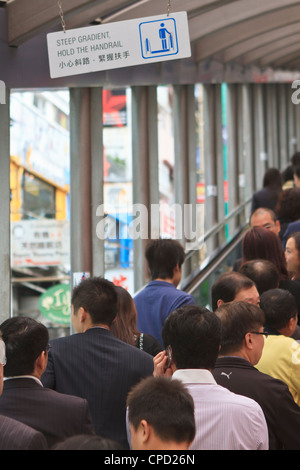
292	64
244	47
285	61
232	14
159	7
282	53
220	40
271	48
27	19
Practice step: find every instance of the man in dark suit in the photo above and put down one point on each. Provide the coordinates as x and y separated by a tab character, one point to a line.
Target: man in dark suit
93	363
24	398
13	434
242	344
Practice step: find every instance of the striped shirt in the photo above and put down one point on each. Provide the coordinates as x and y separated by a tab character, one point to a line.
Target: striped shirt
224	420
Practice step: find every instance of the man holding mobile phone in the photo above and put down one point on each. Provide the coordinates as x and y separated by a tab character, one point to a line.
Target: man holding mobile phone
192	335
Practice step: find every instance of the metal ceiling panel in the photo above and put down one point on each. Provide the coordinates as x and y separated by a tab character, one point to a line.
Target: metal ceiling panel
238	32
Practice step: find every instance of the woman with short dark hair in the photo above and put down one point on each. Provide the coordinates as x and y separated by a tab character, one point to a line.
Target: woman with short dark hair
292	255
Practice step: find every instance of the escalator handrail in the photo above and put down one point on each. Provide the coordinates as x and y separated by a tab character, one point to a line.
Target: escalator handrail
192	282
210	262
219	226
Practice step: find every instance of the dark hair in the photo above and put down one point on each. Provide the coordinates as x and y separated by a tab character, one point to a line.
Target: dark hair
237	319
163	255
194	335
98	297
25	339
288	205
296	237
279	306
166	405
272	179
296	159
87	442
263	273
297	170
260	243
227	286
124	325
287	174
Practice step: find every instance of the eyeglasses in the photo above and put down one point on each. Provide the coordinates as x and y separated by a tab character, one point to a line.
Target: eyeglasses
2	353
267	226
260	333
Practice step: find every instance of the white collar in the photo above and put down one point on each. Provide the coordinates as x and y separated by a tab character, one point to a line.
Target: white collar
202	376
24	377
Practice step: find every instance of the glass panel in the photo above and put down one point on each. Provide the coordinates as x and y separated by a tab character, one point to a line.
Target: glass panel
166	160
39	181
200	161
200	164
118	187
225	150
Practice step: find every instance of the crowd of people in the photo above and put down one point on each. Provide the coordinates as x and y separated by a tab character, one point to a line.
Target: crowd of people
158	372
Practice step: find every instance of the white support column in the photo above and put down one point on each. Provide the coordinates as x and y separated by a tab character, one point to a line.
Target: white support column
87	250
297	118
5	271
260	156
97	179
219	160
144	174
185	178
291	118
214	168
184	119
248	141
272	136
233	162
284	156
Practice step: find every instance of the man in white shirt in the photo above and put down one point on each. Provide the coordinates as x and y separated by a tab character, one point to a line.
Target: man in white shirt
224	420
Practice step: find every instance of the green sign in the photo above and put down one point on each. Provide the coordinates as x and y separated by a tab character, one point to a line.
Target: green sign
55	304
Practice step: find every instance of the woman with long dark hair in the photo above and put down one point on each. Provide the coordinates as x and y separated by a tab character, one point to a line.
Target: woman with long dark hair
261	243
124	326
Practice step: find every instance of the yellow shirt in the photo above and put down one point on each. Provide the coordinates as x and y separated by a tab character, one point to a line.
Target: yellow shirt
281	359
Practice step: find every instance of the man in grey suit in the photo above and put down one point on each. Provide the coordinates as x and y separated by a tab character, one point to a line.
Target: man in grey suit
93	363
24	398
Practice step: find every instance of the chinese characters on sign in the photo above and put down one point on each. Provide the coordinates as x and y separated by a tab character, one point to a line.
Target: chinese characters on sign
86	60
38	243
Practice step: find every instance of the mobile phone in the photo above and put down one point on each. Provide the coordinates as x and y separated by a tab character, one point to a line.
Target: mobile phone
169	361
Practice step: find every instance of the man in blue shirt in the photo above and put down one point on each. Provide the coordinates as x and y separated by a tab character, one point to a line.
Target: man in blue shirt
160	297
